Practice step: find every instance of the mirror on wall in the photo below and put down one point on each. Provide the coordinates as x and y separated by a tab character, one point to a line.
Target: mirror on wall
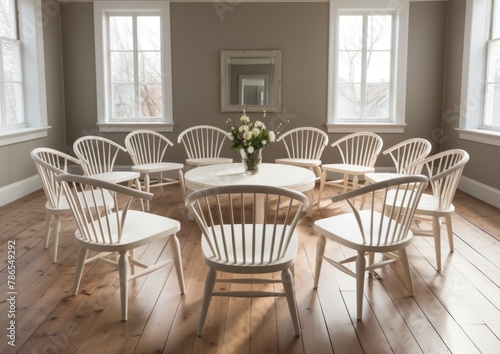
251	80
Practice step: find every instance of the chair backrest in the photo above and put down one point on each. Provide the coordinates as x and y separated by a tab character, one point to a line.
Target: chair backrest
146	146
50	163
444	170
202	141
407	152
304	143
387	216
97	154
89	209
227	217
360	149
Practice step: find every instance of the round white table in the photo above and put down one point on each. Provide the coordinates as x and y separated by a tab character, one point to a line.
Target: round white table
277	175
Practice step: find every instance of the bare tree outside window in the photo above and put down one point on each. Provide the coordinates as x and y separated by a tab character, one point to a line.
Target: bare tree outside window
135	66
364	66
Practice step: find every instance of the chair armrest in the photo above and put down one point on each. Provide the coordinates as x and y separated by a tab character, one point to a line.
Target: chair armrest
105	185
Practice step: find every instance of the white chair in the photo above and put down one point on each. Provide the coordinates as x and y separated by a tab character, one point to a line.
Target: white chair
444	171
304	147
120	231
98	156
380	228
147	150
358	152
50	163
234	242
403	155
203	145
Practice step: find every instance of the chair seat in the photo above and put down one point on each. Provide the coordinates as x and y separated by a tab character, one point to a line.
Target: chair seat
348	168
208	161
140	228
299	162
157	167
428	205
344	229
116	176
64	205
379	177
244	264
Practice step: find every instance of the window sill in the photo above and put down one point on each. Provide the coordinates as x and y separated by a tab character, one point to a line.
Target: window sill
363	127
489	137
129	127
15	136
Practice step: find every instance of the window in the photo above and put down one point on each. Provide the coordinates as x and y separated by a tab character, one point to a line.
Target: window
367	66
23	113
133	66
491	115
11	84
479	110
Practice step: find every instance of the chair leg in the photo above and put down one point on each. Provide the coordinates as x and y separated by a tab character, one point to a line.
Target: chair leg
322	185
371	260
123	265
181	182
132	256
360	282
207	296
287	279
320	251
146	188
436	229
449	228
176	253
80	263
56	227
403	257
48	228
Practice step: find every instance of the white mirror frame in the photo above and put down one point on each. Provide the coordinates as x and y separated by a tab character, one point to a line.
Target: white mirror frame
225	80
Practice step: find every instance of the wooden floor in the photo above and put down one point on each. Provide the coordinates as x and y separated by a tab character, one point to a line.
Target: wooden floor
455	311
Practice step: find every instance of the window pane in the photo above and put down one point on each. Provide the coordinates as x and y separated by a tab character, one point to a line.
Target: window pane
349	67
123	100
122	67
150	67
350	32
377	101
378	68
14	103
121	33
148	33
11	60
379	32
151	101
7	19
348	101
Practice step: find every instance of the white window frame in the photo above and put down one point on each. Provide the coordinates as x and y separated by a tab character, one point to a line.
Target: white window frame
31	17
477	26
101	10
397	122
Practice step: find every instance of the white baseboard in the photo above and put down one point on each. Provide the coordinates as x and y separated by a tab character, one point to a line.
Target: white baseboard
19	189
481	191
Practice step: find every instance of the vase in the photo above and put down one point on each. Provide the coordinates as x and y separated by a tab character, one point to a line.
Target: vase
251	161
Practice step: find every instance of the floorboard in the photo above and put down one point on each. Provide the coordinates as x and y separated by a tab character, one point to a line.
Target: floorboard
456	310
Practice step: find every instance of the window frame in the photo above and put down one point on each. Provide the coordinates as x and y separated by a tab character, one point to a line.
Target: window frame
103	9
30	27
400	10
471	109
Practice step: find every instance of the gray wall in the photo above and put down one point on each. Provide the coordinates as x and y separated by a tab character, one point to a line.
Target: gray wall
15	159
483	165
300	30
